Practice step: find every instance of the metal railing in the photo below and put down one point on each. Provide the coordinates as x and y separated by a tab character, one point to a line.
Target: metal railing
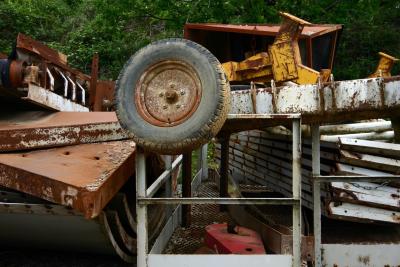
145	197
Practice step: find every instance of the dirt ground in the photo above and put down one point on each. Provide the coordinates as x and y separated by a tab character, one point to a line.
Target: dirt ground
32	258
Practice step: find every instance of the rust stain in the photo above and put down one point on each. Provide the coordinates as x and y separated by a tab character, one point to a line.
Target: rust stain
364	260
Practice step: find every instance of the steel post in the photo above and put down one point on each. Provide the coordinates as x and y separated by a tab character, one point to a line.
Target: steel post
296	187
141	209
316	170
186	187
204	163
224	169
396	128
168	183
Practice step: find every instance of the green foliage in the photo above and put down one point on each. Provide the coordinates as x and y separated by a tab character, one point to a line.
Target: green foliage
116	29
42	19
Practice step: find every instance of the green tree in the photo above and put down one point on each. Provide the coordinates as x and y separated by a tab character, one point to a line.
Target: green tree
116	29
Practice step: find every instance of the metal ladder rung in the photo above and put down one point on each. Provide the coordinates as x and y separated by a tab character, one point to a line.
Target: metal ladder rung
222	201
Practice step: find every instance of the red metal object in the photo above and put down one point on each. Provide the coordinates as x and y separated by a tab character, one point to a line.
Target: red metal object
245	241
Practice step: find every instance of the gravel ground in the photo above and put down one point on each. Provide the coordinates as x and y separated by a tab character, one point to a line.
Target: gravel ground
40	258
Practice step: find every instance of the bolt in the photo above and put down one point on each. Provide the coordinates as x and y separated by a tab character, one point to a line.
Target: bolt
182	92
161	94
172	85
171	96
178	106
164	107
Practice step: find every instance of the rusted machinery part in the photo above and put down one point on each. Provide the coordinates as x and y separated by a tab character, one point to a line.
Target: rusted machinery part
17	68
31	222
385	66
172	96
12	73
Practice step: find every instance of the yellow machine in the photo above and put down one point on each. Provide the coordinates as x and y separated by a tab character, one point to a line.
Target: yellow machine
385	66
281	63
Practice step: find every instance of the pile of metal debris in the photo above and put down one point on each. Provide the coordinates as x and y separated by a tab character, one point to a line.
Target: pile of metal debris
66	174
262	157
69	173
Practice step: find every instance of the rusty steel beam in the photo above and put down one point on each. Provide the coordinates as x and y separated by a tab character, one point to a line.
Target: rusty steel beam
192	30
31	130
93	81
324	103
224	169
27	44
84	177
396	128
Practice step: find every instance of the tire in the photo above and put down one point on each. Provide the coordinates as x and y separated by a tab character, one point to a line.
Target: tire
154	75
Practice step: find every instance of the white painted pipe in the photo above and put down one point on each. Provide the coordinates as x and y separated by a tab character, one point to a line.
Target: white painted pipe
51	79
388	135
65	83
73	88
83	93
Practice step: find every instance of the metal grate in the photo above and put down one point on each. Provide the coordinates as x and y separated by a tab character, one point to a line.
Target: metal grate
189	240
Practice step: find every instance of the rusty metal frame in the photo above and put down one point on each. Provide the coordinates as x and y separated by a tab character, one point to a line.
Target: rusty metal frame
325	103
258	29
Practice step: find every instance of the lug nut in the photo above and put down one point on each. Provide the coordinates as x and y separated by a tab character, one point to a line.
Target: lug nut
178	106
182	92
164	107
161	94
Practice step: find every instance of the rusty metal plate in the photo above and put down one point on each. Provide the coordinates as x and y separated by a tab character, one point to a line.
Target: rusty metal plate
84	177
168	93
29	130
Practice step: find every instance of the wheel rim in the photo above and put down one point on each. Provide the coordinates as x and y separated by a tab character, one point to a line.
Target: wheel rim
168	93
